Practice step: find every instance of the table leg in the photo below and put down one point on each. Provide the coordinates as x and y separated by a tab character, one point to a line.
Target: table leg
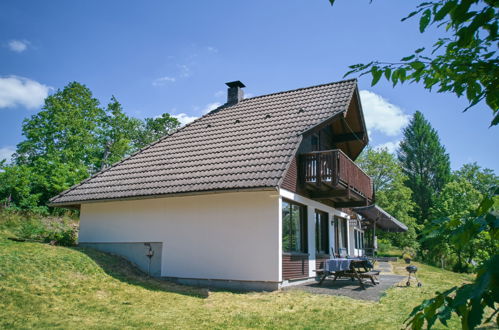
358	278
323	278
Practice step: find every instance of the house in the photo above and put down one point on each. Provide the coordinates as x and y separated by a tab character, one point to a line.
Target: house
255	194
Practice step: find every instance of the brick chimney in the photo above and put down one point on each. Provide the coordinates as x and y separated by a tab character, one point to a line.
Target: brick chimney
235	92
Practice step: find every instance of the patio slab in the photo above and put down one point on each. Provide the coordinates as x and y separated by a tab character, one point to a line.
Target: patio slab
349	288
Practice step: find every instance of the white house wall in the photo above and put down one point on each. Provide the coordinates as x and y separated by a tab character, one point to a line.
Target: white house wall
226	236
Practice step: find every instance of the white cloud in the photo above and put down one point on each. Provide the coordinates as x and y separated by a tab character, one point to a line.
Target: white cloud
212	49
184	118
163	80
185	71
220	93
381	115
19	91
18	46
390	146
211	106
6	153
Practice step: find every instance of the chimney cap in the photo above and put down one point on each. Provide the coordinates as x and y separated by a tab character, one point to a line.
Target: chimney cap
236	83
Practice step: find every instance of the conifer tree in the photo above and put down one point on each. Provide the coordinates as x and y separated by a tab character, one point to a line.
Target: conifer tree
425	163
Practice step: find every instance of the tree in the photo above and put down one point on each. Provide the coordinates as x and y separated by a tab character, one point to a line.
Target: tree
456	203
120	135
17	188
425	163
469	301
66	128
484	180
61	145
465	63
155	128
391	193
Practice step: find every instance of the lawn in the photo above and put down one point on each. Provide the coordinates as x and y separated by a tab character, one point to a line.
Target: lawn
45	286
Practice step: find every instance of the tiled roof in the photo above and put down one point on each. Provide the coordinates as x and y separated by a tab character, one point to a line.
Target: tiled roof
243	146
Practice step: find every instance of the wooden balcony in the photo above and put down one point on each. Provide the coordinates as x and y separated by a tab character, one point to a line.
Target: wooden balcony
331	175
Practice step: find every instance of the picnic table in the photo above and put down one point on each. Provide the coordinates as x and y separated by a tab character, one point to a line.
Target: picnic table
354	268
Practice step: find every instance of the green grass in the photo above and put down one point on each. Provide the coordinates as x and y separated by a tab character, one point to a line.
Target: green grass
44	286
393	252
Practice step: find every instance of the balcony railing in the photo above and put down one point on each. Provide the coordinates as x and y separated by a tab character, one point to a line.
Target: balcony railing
334	169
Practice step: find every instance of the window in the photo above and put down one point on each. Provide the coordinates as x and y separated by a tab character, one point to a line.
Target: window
340	234
321	232
344	232
359	239
294	227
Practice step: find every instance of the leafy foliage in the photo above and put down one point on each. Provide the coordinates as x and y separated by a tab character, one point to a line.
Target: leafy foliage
454	205
469	301
34	227
71	138
391	193
482	179
119	136
154	128
464	63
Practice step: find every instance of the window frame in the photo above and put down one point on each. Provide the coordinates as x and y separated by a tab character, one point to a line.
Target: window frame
303	228
321	232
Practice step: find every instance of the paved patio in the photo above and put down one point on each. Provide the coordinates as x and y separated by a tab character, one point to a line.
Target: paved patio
349	288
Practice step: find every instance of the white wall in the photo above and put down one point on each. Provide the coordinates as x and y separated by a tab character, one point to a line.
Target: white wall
232	236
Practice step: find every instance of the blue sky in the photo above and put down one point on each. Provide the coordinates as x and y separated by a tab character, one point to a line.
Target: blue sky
175	56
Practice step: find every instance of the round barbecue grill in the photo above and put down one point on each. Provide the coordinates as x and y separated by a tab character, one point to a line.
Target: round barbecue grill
411	269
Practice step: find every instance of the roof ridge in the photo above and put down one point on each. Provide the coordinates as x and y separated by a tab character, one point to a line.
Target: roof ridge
299	89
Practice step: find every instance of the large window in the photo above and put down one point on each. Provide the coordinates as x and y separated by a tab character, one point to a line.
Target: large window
321	232
340	234
359	239
294	227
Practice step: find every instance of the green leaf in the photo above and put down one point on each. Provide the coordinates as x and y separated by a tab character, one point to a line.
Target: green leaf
424	20
444	10
331	2
410	15
408	58
417	65
419	50
395	76
388	72
476	313
376	73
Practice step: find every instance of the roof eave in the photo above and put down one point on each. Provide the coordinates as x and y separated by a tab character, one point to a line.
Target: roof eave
191	193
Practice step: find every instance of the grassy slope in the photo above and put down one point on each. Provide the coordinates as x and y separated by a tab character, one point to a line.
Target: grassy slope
46	286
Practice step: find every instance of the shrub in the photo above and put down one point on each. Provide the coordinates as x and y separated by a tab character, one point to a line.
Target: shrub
33	227
409	252
384	245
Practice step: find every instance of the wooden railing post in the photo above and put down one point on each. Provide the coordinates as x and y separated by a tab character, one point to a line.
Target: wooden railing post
318	171
336	168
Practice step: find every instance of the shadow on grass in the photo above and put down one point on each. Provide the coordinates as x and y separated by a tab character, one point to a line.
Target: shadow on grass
124	271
